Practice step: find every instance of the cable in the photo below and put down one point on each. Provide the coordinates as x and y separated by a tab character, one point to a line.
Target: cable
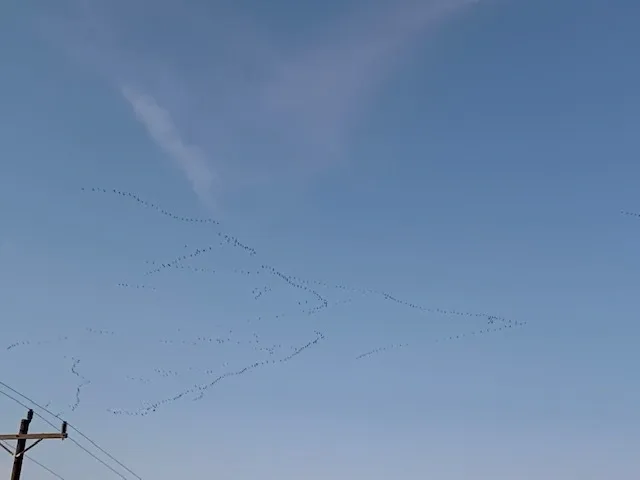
103	451
73	440
44	467
72	428
22	404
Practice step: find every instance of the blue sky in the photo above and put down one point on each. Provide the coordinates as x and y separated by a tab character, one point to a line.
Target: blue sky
458	155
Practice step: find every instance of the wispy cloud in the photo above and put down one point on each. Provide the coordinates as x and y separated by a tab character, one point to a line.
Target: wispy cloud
189	158
326	87
267	106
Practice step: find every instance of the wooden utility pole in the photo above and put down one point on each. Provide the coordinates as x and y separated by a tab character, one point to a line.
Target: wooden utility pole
21	442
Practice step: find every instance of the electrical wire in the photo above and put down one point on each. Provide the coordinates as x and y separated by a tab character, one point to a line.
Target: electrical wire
74	441
44	467
33	460
22	404
41	465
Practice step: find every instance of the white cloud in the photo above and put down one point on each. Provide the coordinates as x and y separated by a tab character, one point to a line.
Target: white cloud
189	158
326	86
267	107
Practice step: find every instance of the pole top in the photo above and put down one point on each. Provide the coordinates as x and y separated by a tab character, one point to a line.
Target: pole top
30	415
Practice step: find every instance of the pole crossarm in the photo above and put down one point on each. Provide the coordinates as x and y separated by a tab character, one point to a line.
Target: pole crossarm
21	442
33	436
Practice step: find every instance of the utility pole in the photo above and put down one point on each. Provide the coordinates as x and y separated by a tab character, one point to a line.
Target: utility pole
21	442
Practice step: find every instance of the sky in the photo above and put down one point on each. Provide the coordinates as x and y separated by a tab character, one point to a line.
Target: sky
377	239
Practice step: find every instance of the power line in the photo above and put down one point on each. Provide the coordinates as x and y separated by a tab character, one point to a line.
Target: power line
21	448
74	441
44	467
22	404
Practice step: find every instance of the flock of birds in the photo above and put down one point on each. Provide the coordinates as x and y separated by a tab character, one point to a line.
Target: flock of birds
198	391
630	214
83	382
271	354
227	238
444	339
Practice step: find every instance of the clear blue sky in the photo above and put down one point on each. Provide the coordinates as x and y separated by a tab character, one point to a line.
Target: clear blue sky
468	156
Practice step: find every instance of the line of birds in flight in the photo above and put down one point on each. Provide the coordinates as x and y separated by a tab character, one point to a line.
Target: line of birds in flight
199	390
444	339
305	286
291	279
630	214
229	239
83	382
